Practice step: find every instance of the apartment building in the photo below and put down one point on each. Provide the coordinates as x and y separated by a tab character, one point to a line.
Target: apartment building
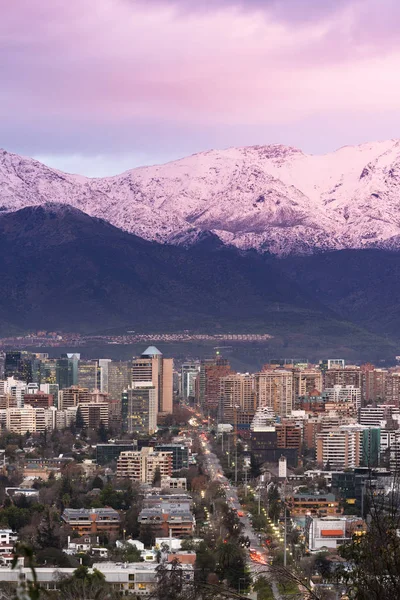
142	466
92	520
237	403
72	396
348	446
274	388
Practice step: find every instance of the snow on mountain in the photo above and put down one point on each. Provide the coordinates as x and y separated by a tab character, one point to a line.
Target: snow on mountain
272	198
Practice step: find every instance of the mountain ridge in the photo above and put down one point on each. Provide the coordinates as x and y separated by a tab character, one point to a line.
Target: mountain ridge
270	198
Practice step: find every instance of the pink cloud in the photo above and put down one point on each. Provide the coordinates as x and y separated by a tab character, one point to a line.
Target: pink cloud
232	62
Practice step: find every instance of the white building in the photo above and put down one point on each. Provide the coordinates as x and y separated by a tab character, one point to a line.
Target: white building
138	579
282	467
326	532
263	420
344	394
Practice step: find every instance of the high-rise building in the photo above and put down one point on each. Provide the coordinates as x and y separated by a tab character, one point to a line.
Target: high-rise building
19	366
289	435
237	399
94	413
152	367
211	371
306	381
65	373
189	372
119	378
142	466
103	374
28	419
349	375
48	371
139	409
344	394
88	371
72	396
392	392
38	400
274	388
53	389
348	446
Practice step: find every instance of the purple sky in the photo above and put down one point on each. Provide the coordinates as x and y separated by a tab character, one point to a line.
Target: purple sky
99	86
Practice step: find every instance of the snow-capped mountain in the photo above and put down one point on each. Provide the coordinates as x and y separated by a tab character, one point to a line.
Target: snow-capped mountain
272	198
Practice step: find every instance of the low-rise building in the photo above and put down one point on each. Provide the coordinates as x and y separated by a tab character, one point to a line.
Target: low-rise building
301	505
167	519
325	532
174	483
126	578
92	520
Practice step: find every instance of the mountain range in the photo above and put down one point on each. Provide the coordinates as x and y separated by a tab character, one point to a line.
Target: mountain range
269	198
262	239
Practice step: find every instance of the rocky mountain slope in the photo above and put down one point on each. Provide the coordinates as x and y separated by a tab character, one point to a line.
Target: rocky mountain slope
271	198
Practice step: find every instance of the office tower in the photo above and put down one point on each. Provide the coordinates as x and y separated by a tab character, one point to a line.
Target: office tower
189	372
152	367
237	399
88	374
140	409
72	396
65	373
274	389
103	374
180	455
18	365
48	371
119	378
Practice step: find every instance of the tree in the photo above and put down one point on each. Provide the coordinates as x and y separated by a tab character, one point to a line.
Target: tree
147	535
48	535
170	583
232	565
205	562
97	483
84	585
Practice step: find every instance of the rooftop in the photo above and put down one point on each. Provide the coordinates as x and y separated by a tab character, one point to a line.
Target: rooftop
152	351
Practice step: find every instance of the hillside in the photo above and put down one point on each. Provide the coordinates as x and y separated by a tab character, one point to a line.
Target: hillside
64	270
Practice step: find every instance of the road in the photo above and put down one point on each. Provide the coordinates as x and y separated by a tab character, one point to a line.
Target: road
215	472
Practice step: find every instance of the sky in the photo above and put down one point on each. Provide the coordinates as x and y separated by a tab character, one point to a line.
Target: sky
99	86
